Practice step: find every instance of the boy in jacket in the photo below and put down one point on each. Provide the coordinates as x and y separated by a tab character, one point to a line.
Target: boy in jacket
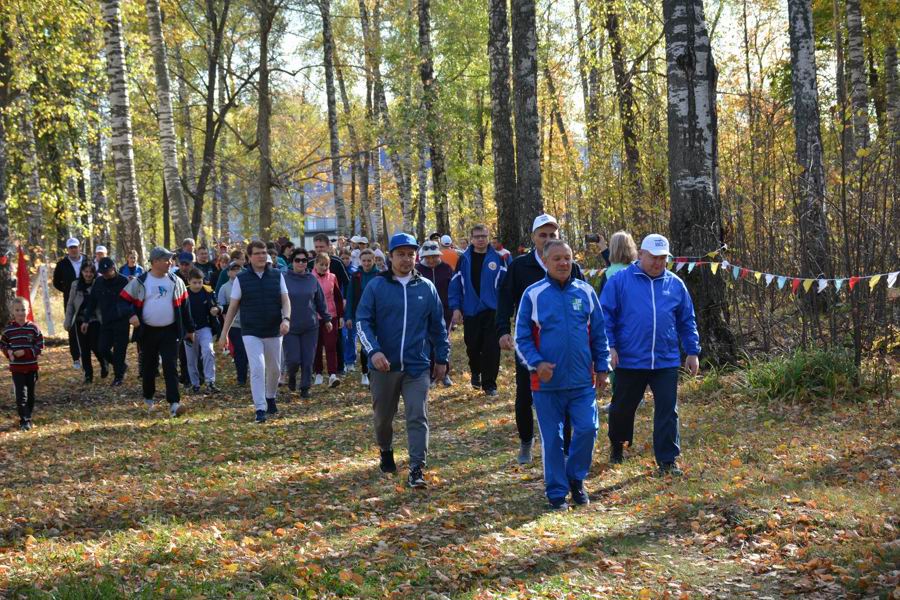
22	343
104	299
560	337
204	311
648	311
359	279
398	317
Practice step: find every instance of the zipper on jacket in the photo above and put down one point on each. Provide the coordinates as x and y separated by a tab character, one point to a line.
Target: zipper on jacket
653	343
403	335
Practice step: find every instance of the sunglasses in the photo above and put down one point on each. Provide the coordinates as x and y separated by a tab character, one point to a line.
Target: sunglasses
301	260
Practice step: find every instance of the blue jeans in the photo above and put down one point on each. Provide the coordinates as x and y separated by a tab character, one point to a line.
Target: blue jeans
349	336
628	393
552	408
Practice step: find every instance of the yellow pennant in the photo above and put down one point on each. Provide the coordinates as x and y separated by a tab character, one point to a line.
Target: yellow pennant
807	283
714	266
758	276
874	281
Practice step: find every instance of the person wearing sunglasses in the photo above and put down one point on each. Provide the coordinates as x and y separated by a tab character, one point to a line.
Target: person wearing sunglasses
308	309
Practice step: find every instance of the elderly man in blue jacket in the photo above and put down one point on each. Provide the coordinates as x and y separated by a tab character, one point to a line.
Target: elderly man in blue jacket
648	311
398	321
560	337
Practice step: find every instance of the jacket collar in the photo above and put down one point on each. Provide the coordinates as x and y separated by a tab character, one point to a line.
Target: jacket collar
636	269
556	284
389	275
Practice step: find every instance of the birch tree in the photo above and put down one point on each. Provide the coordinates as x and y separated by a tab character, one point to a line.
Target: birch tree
5	247
34	209
527	119
856	70
337	179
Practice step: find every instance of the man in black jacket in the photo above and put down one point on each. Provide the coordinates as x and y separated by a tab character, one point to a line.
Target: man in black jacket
323	245
521	273
114	329
65	272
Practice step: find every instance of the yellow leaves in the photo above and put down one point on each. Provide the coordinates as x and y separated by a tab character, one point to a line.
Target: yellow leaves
348	576
230	568
863	152
644	594
735	463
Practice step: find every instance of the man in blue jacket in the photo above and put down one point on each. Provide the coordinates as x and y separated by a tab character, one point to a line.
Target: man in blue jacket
398	320
648	311
560	338
473	300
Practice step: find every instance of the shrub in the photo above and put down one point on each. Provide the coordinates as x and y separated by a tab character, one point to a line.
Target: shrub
805	376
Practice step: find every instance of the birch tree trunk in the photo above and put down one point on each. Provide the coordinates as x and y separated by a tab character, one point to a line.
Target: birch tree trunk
222	172
188	163
336	176
34	208
527	119
892	97
856	67
808	142
423	191
695	218
263	123
127	202
97	182
509	223
361	178
5	247
177	205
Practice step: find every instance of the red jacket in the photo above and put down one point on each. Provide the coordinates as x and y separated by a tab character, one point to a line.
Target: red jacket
27	337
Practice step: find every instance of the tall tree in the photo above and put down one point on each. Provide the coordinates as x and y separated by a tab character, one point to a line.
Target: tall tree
509	223
177	204
34	209
221	171
122	143
527	119
6	97
267	12
337	179
695	219
856	68
99	204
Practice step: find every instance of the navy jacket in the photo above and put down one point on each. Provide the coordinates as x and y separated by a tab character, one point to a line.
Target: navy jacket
462	292
104	298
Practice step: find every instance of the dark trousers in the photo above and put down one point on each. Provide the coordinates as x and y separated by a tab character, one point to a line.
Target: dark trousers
160	343
113	344
327	341
299	351
363	361
629	390
339	345
524	414
482	348
240	354
74	348
87	343
24	384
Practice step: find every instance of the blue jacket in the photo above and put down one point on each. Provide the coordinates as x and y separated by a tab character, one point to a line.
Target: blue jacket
646	318
404	323
462	294
562	325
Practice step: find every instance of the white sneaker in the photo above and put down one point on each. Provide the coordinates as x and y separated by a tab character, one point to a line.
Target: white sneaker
318	380
149	403
333	380
282	379
365	380
76	364
175	409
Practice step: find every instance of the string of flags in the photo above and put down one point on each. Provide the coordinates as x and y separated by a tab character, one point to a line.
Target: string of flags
795	284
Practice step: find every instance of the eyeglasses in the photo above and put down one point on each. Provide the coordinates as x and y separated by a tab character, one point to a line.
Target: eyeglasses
301	260
479	237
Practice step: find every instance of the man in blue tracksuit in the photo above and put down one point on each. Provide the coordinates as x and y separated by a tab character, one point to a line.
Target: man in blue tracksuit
398	321
473	300
648	311
560	338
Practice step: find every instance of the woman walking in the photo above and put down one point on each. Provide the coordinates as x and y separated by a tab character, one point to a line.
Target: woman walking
308	311
88	341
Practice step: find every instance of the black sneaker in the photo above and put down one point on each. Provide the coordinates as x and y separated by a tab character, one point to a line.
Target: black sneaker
272	409
211	388
416	479
559	504
476	381
491	392
260	416
669	469
387	462
304	392
195	389
104	371
117	382
616	455
88	379
579	496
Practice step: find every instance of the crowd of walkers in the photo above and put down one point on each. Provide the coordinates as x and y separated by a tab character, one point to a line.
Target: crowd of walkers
298	318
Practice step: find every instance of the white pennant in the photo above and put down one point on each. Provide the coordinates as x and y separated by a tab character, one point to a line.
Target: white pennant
691	266
823	283
725	263
892	278
769	278
679	266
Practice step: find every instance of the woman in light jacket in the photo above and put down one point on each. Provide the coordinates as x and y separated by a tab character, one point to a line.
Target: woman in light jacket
87	342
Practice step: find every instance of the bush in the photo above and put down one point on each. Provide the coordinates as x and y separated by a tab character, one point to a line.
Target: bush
805	376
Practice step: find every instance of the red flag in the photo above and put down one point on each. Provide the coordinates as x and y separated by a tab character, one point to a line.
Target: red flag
853	281
744	272
795	285
23	282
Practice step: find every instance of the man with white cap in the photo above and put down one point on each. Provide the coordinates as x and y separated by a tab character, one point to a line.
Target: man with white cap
448	254
100	252
65	272
522	272
647	311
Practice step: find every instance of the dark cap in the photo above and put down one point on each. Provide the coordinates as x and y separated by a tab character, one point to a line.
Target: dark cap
185	257
105	264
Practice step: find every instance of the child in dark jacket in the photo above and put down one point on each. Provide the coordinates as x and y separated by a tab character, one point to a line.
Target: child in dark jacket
22	343
204	311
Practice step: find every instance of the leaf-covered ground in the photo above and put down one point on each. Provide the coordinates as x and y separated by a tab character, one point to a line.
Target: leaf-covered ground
105	500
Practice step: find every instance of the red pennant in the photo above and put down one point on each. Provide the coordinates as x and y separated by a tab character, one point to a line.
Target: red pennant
853	281
795	285
681	259
744	273
23	282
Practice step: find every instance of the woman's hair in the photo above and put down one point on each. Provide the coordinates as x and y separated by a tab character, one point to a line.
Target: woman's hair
323	258
367	252
299	252
88	266
622	249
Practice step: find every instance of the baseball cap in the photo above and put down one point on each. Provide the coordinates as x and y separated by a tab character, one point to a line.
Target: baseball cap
430	249
185	257
355	239
399	240
656	244
72	242
363	240
105	264
101	249
446	240
160	252
541	220
379	254
234	264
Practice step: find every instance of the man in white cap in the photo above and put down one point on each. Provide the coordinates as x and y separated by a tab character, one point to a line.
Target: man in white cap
647	311
100	252
448	254
522	272
65	272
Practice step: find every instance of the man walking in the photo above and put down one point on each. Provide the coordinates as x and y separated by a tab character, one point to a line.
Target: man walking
398	316
648	310
158	301
473	299
104	297
65	272
560	338
261	295
522	272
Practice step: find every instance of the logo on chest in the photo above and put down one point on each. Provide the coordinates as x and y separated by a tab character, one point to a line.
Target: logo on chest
577	304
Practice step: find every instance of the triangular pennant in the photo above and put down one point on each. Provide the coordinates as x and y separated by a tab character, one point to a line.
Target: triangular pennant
781	280
669	265
853	281
735	271
795	285
874	281
714	266
758	275
892	278
592	272
823	283
712	254
744	273
725	263
678	266
838	283
691	266
807	283
769	278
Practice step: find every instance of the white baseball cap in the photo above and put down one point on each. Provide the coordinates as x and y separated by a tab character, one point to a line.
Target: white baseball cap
101	249
446	240
429	248
355	239
656	244
541	220
362	240
72	242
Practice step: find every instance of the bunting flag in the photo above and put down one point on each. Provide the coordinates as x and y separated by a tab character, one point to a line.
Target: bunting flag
714	267
807	283
838	283
693	264
736	271
795	285
781	280
892	278
758	275
769	278
679	266
823	283
853	281
874	281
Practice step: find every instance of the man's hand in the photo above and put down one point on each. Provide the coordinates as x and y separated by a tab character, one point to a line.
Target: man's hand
215	310
506	342
135	322
600	380
348	324
18	353
613	358
223	342
328	326
439	372
84	327
545	371
457	317
189	337
380	362
286	327
692	364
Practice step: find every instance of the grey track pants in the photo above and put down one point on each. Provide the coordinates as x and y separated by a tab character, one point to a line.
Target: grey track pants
386	391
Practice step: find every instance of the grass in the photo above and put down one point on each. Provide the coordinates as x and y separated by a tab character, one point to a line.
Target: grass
103	500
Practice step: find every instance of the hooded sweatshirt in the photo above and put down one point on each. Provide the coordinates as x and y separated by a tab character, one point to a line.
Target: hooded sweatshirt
307	301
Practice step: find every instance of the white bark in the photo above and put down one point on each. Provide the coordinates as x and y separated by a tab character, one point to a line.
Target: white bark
34	208
856	66
99	204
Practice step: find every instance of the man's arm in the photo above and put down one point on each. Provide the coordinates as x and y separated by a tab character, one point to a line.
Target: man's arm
599	345
686	324
505	304
365	320
437	332
58	281
525	347
340	271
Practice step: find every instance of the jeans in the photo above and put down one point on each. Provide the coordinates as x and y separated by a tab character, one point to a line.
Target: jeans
201	346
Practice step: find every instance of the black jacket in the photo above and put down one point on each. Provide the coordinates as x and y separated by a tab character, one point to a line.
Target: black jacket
521	273
340	271
104	297
63	276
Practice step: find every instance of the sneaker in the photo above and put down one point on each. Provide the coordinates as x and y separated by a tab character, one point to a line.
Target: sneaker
491	392
195	389
282	379
416	479
559	504
616	455
88	379
476	381
446	381
304	392
364	379
76	364
670	469
387	462
211	387
104	370
318	380
176	409
272	408
260	416
579	496
525	449
25	424
149	403
333	381
116	382
292	383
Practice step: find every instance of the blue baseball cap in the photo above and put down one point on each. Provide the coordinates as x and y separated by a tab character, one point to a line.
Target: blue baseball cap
186	257
398	240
